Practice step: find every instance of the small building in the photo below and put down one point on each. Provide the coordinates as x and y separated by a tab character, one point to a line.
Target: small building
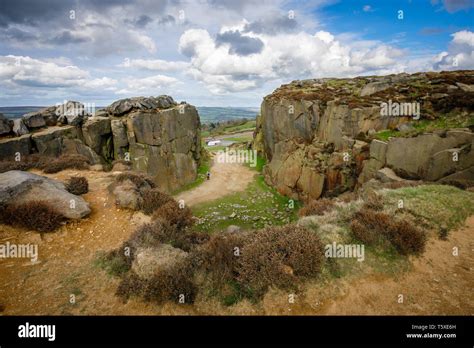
213	142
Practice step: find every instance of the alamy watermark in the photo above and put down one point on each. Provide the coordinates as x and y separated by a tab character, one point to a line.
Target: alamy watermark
335	250
396	109
28	251
237	156
70	108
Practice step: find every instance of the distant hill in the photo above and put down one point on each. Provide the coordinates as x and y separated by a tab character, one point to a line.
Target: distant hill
207	114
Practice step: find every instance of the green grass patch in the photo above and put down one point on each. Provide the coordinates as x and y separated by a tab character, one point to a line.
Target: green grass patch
112	266
440	206
422	126
259	205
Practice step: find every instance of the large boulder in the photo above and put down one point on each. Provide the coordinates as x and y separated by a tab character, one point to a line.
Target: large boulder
10	147
165	144
428	156
98	136
125	106
119	133
34	119
50	141
149	261
19	127
5	125
22	187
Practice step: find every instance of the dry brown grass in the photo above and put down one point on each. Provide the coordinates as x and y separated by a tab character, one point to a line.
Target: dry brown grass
316	207
140	180
66	162
173	214
376	228
279	256
172	284
154	199
35	215
77	185
26	163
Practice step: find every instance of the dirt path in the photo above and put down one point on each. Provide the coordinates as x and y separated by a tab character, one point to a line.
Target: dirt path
226	178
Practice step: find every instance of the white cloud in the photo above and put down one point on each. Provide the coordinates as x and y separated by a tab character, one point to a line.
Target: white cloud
151	85
460	54
367	8
28	74
154	64
285	55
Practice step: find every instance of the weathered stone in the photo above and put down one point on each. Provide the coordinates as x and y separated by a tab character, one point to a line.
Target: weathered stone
149	261
165	144
369	170
98	136
34	120
373	87
378	150
120	138
49	141
411	157
22	187
19	127
387	175
124	106
76	146
311	182
5	126
323	117
9	147
127	195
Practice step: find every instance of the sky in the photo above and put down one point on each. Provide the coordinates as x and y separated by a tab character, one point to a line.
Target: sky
218	53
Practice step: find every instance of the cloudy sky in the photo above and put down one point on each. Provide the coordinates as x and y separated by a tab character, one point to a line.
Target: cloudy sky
217	53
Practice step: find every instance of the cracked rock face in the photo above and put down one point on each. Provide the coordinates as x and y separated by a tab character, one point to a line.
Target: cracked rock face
316	134
157	135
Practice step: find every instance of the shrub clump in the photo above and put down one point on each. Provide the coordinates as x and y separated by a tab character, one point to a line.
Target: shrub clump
278	256
66	162
77	185
376	227
172	284
139	180
152	200
316	207
26	163
172	213
219	257
406	238
35	215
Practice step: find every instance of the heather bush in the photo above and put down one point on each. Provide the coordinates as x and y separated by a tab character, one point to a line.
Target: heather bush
34	215
219	257
171	284
406	238
66	162
172	213
26	163
316	207
374	202
279	256
375	227
153	199
140	180
77	185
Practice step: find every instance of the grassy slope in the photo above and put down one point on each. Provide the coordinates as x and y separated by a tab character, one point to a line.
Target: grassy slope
431	207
